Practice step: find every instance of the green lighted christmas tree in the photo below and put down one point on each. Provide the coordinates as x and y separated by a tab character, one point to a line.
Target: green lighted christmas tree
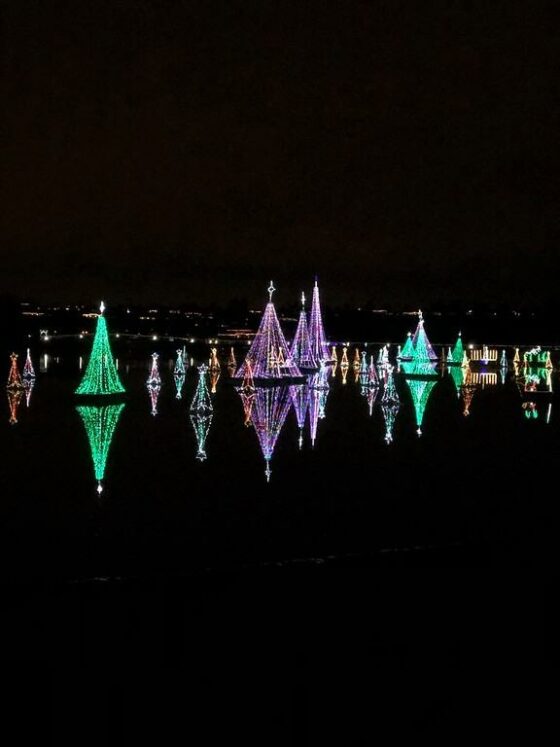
100	422
458	351
101	376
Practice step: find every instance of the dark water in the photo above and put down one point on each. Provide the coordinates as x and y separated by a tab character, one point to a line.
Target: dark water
470	489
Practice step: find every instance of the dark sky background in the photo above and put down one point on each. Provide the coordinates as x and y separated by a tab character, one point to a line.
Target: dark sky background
189	151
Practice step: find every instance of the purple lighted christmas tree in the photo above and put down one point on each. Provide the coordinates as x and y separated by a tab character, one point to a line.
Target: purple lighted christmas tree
300	401
270	408
319	346
301	344
269	354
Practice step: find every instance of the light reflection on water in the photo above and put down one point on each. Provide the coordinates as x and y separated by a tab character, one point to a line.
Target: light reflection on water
393	457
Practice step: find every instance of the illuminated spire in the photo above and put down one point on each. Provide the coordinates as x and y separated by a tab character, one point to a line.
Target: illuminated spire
407	353
458	351
319	346
101	377
154	378
422	347
301	345
356	362
28	370
232	361
267	351
14	376
179	369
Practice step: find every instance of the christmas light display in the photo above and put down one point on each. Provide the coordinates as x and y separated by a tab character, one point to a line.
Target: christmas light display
154	378
153	392
465	363
270	408
101	377
319	346
313	412
420	389
28	385
344	359
458	352
389	416
457	376
423	350
100	423
14	399
301	344
344	373
232	361
201	423
179	384
407	353
373	379
356	362
268	345
390	394
467	392
300	400
214	377
334	356
320	382
28	370
201	401
14	376
370	394
363	364
179	369
248	383
517	357
537	357
503	360
214	363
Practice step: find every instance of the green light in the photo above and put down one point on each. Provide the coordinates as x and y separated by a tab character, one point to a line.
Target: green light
100	422
458	350
101	376
420	390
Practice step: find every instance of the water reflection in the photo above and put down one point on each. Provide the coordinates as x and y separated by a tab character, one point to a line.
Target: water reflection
100	422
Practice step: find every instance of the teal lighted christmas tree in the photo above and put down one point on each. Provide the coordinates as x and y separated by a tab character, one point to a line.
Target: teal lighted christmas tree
101	377
457	352
100	423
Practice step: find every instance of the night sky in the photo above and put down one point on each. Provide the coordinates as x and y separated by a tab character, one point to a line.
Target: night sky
177	151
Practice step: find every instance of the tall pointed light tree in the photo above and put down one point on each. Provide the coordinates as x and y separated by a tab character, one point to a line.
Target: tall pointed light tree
407	352
201	423
14	376
423	350
269	349
28	370
319	346
458	351
101	377
300	400
100	422
300	349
